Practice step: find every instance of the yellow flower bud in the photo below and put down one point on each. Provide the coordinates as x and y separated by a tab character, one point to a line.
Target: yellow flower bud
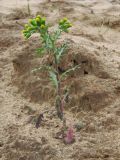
61	22
26	25
30	20
43	21
65	19
23	31
70	25
38	16
42	26
33	22
29	28
37	19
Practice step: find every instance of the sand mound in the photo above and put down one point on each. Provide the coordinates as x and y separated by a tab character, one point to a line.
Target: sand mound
94	100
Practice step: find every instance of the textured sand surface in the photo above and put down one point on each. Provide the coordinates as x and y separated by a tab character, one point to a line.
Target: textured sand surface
94	89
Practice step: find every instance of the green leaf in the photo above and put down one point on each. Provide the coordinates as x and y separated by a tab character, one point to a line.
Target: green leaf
27	35
44	67
36	69
60	51
47	40
53	79
57	34
66	73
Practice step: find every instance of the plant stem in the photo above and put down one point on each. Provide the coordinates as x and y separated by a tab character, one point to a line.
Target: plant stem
58	76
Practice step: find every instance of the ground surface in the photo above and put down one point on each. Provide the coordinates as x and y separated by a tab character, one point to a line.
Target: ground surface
95	88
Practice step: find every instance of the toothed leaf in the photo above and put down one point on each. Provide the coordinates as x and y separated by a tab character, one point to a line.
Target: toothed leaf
66	73
53	79
60	51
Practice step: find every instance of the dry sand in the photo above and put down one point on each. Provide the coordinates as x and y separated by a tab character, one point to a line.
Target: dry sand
95	88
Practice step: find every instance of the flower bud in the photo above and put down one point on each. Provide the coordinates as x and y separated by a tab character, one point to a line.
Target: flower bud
23	31
33	22
30	20
38	16
61	22
42	26
68	25
26	26
43	21
38	20
29	28
65	19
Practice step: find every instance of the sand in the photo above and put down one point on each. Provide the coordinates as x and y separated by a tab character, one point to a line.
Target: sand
94	103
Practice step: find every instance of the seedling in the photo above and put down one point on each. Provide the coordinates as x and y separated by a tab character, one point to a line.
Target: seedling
51	48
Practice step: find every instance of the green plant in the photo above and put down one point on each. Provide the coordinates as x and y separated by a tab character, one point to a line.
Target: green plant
50	47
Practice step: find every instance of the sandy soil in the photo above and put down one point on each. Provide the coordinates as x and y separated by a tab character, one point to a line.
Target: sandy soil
95	88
